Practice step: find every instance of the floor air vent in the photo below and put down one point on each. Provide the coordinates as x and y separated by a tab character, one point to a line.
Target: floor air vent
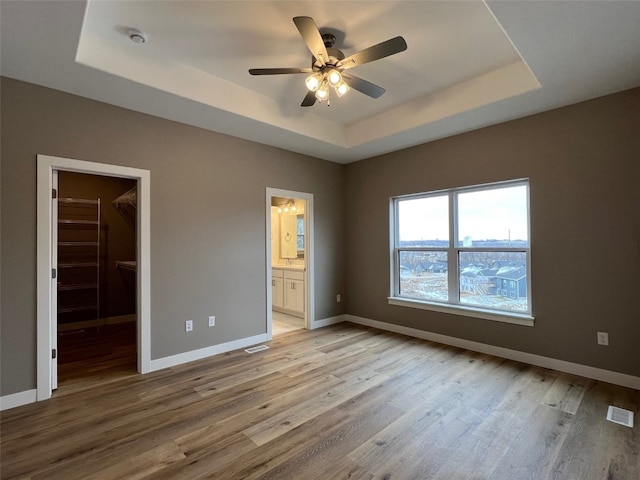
620	415
256	349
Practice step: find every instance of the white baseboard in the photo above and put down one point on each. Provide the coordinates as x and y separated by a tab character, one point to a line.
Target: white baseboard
630	381
17	399
325	322
616	378
186	357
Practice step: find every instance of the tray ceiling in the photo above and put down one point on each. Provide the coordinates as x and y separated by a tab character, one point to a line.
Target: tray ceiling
468	64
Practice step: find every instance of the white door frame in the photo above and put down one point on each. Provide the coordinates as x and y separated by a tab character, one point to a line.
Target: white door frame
54	286
46	316
309	295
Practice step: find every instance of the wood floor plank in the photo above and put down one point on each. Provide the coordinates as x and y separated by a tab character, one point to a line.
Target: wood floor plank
222	452
600	449
364	418
344	401
345	352
566	393
275	405
286	421
137	466
262	459
477	453
343	469
533	453
456	406
249	375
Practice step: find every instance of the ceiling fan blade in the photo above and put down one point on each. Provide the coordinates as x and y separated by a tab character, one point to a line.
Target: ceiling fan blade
278	71
376	52
309	99
311	36
363	86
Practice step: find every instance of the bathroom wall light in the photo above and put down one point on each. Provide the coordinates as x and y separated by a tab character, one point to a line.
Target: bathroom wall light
290	206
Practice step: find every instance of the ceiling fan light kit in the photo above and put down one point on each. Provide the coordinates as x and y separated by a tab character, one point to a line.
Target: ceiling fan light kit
323	92
334	77
328	64
342	89
314	81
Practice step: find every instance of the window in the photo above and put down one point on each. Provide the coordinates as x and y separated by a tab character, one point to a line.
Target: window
300	235
466	249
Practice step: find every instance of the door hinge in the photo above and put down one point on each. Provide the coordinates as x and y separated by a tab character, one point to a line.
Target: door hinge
54	273
54	193
54	353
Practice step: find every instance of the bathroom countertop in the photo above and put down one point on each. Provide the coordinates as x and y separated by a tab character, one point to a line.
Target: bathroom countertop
288	267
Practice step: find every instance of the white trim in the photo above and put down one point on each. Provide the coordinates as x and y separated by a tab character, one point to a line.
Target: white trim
53	325
453	250
616	378
325	322
309	246
514	318
17	399
201	353
46	166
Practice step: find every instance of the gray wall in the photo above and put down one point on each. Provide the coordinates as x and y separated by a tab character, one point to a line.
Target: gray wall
583	162
208	223
207	219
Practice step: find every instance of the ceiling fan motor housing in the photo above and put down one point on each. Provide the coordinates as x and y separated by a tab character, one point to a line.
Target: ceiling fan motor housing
335	56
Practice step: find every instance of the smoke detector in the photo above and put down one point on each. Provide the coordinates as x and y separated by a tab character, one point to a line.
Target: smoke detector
137	36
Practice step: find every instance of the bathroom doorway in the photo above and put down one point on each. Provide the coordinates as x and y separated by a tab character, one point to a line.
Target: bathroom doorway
289	266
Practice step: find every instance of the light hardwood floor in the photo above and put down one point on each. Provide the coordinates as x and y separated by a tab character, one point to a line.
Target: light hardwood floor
335	403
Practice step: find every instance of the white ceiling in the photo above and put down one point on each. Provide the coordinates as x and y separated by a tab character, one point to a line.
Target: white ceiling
468	64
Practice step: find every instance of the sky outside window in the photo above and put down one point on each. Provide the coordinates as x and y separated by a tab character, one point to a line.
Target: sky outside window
422	220
495	214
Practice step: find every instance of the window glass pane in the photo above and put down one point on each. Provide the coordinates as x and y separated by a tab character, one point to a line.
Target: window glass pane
423	275
300	232
493	218
424	222
494	280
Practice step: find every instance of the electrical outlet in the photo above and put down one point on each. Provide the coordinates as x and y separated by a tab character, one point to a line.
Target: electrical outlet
603	338
188	326
212	321
338	298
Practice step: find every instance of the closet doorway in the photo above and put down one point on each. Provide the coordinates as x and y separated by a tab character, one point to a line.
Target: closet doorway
48	170
96	278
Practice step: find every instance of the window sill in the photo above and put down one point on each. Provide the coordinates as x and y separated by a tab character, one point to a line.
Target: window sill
514	318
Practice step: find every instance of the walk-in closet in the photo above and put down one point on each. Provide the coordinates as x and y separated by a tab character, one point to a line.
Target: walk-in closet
96	277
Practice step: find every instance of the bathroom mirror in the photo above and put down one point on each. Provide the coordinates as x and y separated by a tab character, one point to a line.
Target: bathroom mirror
288	236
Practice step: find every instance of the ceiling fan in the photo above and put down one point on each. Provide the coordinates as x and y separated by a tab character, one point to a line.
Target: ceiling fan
329	65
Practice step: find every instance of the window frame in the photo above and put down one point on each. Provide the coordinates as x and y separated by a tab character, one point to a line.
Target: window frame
455	247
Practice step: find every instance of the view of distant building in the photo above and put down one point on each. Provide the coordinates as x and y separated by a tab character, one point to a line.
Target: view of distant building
511	282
